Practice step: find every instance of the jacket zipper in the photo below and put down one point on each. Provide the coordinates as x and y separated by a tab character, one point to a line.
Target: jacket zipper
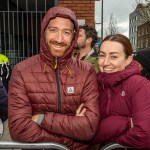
108	102
58	88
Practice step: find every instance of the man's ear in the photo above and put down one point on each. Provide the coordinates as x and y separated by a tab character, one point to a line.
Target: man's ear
129	60
89	40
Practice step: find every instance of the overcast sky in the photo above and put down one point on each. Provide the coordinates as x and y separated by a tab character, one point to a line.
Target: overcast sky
120	10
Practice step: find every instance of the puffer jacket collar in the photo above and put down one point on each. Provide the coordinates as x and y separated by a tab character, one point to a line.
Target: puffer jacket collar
111	79
44	52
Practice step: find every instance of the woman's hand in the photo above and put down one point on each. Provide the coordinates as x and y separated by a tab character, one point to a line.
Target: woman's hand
80	111
35	118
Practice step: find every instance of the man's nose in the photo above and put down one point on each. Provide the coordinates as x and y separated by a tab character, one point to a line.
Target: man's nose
59	36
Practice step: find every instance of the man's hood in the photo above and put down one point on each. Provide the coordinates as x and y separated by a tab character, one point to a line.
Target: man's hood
51	14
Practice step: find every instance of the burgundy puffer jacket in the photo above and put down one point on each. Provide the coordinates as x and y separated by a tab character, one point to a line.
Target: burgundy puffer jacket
37	88
124	95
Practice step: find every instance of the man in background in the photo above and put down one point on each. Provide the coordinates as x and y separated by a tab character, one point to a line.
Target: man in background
142	57
4	70
86	45
3	103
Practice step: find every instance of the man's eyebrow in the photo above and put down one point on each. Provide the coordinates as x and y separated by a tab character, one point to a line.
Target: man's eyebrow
57	28
68	29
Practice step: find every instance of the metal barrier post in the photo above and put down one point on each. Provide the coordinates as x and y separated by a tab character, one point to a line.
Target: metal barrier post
111	146
20	145
1	128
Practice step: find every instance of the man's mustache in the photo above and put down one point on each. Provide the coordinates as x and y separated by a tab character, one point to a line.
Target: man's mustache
58	43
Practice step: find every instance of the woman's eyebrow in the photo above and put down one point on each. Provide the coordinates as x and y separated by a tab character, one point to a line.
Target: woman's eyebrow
109	53
114	53
101	52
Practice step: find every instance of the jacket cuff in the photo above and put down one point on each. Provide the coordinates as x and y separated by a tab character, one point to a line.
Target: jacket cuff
40	119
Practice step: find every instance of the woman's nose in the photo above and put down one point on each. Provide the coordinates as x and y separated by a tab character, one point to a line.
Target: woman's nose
106	61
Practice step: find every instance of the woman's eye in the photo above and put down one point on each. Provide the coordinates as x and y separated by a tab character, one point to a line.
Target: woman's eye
101	56
113	57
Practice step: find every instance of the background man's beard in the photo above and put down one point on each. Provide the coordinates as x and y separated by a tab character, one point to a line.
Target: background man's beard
76	46
79	46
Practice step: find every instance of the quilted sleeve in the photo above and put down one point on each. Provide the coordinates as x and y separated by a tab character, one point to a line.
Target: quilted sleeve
139	135
107	130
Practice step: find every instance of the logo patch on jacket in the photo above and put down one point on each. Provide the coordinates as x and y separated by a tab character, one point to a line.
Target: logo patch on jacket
123	93
70	90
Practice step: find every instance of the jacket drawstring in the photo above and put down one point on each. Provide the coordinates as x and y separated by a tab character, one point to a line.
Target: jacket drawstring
45	68
56	63
69	71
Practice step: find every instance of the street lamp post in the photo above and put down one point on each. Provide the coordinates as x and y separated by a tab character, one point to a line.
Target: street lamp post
101	23
102	20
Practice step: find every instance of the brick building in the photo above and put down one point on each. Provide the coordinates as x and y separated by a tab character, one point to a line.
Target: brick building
84	9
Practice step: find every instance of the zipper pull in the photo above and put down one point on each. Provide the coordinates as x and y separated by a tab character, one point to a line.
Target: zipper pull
56	63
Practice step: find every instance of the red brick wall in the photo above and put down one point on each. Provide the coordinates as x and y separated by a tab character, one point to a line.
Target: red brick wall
84	9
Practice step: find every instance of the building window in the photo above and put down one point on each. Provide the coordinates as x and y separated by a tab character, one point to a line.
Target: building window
139	44
142	31
134	41
131	20
139	33
135	28
132	29
146	30
146	42
142	43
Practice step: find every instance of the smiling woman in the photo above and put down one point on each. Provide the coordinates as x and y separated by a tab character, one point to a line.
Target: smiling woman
115	54
124	98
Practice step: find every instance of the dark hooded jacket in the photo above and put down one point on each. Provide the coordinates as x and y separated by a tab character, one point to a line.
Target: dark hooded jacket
124	95
143	57
3	102
37	88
